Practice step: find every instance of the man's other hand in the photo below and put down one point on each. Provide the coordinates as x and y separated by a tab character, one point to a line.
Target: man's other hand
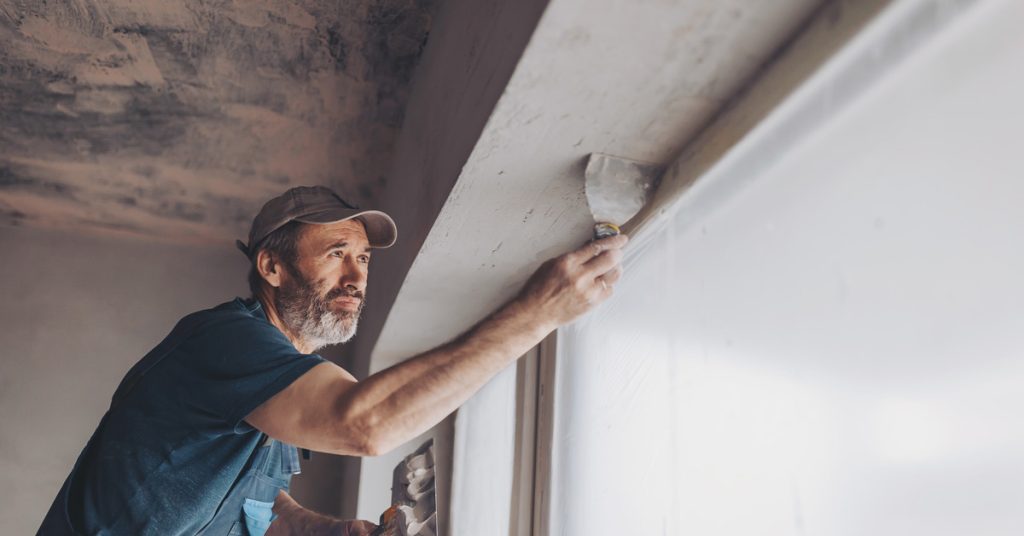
293	520
566	287
357	527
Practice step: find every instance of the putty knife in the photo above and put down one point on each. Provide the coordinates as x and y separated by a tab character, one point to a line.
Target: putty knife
617	188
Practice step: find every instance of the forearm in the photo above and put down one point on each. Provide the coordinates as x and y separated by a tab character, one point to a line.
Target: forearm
405	400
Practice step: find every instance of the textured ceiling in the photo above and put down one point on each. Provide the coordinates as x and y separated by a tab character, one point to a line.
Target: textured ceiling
179	119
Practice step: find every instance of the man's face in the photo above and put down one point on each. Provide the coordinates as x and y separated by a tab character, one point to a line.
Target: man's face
321	296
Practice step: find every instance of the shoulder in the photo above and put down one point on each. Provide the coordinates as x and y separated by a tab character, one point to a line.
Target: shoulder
237	315
235	327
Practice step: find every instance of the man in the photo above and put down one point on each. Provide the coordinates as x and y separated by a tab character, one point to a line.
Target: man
199	437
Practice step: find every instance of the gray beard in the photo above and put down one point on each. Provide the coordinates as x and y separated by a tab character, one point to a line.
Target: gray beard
309	316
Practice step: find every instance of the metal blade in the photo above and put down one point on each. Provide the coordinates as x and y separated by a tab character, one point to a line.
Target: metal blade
617	188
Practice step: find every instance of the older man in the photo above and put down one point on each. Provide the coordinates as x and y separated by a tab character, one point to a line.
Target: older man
200	433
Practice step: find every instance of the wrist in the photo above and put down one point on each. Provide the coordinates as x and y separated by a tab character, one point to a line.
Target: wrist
337	527
531	316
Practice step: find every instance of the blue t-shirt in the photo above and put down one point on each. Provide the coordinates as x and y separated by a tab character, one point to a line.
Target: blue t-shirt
174	442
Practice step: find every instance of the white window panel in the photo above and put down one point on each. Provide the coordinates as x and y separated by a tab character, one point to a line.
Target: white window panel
484	459
835	347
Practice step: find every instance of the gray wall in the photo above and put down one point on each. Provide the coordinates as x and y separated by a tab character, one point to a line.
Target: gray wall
77	311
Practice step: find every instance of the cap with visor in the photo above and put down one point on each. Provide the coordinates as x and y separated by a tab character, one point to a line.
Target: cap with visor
316	205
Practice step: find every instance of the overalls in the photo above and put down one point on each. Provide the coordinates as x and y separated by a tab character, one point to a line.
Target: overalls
245	510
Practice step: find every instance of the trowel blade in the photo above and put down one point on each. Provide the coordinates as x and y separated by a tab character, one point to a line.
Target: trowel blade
617	188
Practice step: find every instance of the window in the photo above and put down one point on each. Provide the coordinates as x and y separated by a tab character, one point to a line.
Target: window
834	347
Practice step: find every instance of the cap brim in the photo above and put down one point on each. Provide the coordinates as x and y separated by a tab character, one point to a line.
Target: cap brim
381	230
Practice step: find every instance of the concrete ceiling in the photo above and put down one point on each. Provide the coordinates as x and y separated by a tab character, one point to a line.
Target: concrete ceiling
177	120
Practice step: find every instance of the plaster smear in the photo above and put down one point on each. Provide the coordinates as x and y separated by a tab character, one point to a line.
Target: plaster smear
179	119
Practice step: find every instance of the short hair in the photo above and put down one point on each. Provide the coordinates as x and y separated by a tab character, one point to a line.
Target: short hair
283	243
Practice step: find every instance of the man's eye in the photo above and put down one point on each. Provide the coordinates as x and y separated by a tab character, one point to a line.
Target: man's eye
365	259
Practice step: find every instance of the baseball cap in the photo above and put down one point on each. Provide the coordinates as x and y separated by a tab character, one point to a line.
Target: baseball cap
316	205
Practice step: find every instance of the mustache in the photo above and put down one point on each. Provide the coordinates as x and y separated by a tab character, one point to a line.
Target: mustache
339	292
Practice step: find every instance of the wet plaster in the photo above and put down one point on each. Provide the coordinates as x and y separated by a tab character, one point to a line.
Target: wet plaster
177	120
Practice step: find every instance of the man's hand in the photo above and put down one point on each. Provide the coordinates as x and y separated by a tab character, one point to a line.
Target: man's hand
293	519
565	287
327	410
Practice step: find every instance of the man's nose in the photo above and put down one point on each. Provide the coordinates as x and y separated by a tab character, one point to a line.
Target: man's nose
354	275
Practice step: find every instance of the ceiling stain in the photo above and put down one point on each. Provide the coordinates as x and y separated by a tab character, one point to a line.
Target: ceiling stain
179	119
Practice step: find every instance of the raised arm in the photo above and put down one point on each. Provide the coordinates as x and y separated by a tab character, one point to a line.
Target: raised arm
329	411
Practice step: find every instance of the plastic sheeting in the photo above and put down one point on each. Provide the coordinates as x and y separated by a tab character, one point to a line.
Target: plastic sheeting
484	456
835	347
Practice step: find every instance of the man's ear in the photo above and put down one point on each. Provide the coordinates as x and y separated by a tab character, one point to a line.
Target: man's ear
269	267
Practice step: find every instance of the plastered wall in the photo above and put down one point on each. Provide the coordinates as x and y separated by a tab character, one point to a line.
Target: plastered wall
76	312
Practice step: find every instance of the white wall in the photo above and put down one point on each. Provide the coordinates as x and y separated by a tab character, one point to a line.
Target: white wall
77	312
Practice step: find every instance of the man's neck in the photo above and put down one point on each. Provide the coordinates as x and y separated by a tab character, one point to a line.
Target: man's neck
274	318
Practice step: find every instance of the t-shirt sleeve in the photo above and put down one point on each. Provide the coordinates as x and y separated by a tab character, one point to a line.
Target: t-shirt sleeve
234	365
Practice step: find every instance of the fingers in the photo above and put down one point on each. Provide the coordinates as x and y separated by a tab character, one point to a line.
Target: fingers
611	277
568	286
283	501
603	263
358	527
595	248
604	285
604	268
607	255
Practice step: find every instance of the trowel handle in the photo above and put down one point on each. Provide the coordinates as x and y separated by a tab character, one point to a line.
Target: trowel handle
604	230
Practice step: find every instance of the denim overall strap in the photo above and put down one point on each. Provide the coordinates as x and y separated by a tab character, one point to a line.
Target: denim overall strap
248	507
289	459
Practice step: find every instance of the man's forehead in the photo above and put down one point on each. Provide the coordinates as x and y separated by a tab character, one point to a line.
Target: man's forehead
352	232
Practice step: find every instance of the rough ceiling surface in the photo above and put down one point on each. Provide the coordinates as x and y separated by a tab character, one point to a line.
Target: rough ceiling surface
179	119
